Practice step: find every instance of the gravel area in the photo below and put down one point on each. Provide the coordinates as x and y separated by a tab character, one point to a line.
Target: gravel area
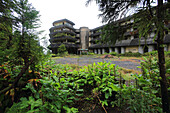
89	60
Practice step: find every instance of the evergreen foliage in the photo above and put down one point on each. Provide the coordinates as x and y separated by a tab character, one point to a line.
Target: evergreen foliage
20	52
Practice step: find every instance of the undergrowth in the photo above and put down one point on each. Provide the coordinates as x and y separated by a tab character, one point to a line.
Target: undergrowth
64	88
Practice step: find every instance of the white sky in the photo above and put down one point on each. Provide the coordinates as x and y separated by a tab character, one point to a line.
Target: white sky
73	10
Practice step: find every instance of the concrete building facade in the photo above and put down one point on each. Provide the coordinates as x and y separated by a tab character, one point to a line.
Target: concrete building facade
85	39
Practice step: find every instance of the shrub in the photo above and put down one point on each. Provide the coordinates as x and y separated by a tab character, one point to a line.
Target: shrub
113	53
91	53
84	53
143	94
167	53
62	54
130	54
53	55
106	53
153	53
61	49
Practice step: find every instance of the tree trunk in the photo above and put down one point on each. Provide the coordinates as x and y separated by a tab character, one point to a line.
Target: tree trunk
163	81
161	59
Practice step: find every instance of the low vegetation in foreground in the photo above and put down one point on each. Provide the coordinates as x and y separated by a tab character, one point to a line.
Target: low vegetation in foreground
68	88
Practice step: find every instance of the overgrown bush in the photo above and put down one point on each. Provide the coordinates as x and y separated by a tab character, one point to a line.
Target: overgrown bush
61	49
91	53
143	94
113	53
167	53
61	87
53	55
62	54
105	53
153	53
130	54
84	53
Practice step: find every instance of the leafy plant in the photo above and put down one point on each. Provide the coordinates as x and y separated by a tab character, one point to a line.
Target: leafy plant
130	54
153	53
113	53
61	87
62	50
91	53
143	94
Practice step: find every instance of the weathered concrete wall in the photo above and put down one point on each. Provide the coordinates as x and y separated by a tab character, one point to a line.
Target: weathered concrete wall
84	36
116	50
122	50
133	49
140	49
103	50
99	51
95	51
150	48
110	50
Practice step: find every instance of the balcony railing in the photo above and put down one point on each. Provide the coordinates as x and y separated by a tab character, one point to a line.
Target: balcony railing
96	34
63	38
64	31
61	26
66	44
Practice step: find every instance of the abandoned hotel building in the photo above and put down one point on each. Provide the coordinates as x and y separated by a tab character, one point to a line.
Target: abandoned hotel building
85	39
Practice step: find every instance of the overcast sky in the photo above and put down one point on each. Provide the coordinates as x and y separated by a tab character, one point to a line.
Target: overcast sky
73	10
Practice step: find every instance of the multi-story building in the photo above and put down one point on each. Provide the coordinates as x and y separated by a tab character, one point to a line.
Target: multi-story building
85	39
63	32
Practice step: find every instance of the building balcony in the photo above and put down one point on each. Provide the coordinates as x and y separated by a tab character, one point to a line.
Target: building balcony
131	33
127	33
95	39
61	27
77	35
122	43
93	46
96	34
64	31
78	41
67	45
65	21
77	30
63	38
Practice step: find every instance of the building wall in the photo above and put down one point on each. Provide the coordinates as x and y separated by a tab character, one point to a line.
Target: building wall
132	49
84	37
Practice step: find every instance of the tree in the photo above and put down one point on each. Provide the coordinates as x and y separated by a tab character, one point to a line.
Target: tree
20	50
26	21
5	29
114	9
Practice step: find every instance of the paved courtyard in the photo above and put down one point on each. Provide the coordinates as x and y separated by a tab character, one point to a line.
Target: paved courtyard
89	60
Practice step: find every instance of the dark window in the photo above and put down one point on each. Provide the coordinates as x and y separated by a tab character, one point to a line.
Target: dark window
126	38
136	36
145	49
166	32
119	50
